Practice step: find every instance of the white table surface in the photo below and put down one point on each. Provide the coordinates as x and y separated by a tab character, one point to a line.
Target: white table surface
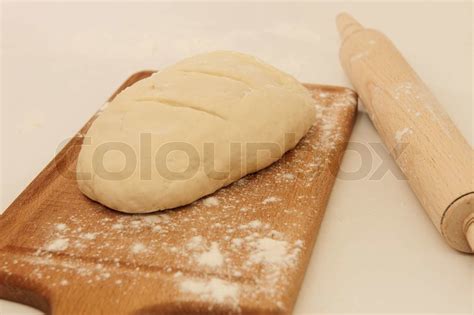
377	251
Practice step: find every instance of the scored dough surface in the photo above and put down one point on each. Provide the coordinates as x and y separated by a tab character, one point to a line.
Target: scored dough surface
191	129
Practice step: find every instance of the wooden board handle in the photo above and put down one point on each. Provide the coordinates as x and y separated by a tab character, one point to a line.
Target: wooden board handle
425	143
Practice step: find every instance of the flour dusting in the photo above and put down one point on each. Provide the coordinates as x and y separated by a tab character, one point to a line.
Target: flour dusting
215	289
211	202
60	226
255	224
117	226
288	176
59	244
138	248
399	134
88	236
238	245
237	242
211	258
359	56
270	251
271	199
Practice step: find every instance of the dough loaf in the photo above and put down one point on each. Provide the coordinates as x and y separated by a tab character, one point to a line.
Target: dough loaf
191	129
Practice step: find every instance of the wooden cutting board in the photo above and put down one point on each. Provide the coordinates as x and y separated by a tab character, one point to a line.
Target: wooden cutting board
243	249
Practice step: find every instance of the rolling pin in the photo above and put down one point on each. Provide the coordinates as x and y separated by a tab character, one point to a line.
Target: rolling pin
427	146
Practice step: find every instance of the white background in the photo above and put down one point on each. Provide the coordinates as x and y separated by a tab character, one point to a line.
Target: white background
377	251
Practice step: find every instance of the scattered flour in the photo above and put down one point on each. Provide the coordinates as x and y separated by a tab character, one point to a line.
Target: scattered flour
60	227
211	258
237	242
138	248
215	289
211	202
401	133
359	56
288	176
136	224
242	182
117	226
88	236
195	242
152	219
270	251
238	253
105	275
270	200
58	244
299	243
254	224
157	228
405	89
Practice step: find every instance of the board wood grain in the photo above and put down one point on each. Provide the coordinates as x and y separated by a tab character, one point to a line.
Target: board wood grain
244	249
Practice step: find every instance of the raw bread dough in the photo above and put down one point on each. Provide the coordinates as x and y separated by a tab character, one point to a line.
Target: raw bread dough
174	137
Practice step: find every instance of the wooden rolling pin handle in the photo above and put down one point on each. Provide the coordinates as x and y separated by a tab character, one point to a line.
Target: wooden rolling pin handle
469	230
347	25
425	143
